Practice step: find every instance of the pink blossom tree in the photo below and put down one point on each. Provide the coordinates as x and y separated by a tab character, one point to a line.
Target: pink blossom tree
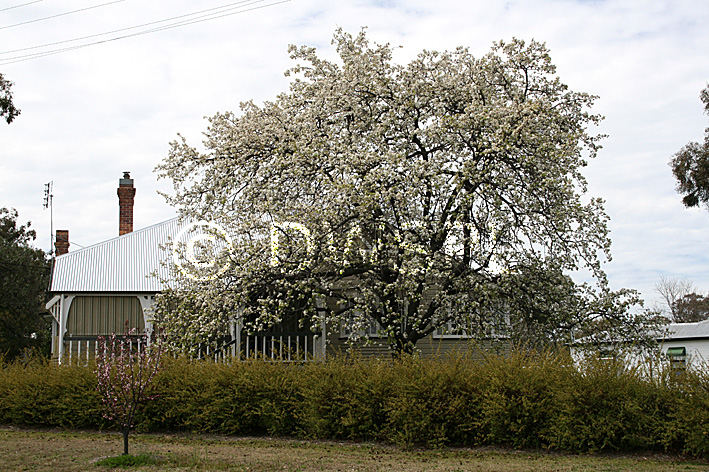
125	368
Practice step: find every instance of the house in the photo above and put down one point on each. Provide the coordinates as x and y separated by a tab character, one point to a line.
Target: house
104	288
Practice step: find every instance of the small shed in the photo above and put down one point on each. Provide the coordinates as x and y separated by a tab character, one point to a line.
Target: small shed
682	344
686	343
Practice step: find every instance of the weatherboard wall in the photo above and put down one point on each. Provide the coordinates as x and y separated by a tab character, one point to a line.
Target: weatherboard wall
104	315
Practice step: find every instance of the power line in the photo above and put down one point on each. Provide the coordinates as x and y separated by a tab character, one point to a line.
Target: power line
208	17
21	5
60	14
128	28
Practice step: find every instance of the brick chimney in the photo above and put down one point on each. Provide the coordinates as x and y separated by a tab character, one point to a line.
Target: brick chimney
61	244
126	192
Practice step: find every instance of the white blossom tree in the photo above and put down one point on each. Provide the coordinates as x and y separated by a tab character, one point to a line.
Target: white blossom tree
409	195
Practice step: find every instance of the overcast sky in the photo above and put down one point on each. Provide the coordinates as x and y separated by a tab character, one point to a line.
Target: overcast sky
90	113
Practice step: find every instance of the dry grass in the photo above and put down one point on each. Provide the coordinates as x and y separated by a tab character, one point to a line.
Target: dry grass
78	451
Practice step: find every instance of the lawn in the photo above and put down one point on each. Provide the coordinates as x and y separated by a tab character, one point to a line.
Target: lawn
78	451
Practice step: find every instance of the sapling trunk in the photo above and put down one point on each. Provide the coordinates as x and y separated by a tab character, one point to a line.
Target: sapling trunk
126	431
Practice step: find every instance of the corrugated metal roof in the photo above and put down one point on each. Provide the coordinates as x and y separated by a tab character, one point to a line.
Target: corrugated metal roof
688	330
122	264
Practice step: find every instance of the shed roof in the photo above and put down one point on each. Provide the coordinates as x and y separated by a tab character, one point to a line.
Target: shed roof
669	332
687	330
122	264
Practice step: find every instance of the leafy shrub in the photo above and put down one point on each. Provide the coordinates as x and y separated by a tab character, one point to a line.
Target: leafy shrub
602	407
39	393
520	399
434	403
243	398
519	396
686	430
344	398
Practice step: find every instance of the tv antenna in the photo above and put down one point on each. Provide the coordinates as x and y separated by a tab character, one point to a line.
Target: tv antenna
48	197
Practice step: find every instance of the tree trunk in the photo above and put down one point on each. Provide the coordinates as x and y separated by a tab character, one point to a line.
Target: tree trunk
402	348
126	431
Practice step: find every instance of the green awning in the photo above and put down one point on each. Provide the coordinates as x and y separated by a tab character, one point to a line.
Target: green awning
676	351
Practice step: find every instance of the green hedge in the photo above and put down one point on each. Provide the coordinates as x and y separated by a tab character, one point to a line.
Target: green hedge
521	399
42	394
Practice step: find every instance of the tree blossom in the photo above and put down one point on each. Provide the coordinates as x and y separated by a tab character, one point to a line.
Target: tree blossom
413	196
125	369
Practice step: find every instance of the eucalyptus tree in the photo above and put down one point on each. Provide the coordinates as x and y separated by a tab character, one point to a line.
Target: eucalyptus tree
24	277
8	111
690	166
408	195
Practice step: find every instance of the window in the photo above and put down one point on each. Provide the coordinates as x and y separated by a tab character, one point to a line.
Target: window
468	321
368	328
607	352
452	330
678	358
